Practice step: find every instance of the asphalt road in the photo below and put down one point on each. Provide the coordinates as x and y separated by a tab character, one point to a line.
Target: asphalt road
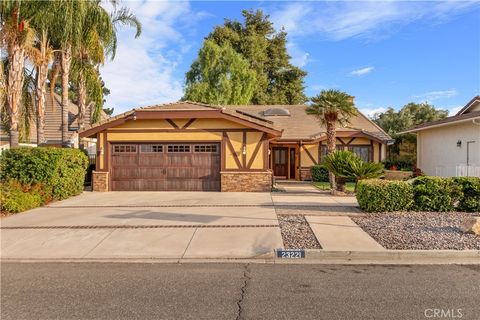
237	291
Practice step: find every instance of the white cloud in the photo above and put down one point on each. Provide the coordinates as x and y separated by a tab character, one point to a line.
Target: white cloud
454	110
371	111
299	57
361	71
144	70
436	95
365	19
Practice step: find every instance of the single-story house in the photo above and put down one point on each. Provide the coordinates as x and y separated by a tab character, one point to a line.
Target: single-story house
451	146
53	125
198	147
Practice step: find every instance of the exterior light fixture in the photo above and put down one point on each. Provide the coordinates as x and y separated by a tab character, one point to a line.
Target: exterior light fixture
134	116
459	143
244	149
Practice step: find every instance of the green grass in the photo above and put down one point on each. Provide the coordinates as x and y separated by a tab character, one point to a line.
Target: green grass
326	186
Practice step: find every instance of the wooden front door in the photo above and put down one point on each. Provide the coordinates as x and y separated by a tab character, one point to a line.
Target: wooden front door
280	162
166	167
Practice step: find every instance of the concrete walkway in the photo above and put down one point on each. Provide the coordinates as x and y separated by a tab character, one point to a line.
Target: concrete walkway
341	234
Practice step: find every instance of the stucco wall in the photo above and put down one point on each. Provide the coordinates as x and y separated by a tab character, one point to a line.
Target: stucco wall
437	151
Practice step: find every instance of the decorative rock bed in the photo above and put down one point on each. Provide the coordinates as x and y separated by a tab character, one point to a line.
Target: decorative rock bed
420	230
296	232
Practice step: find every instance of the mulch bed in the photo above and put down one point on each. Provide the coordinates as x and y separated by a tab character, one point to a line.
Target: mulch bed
296	232
419	230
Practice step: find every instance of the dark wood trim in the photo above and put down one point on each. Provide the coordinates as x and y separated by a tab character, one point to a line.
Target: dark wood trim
320	152
379	152
351	140
349	134
232	150
341	141
371	150
244	147
266	150
97	162
105	152
172	123
255	151
186	125
309	155
179	130
243	170
223	154
300	160
175	114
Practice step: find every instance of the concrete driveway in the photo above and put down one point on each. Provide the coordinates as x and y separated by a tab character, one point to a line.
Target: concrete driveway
171	225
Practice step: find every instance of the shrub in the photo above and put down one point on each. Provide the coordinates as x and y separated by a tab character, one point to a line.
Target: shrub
377	195
400	163
435	193
59	173
319	173
470	198
14	198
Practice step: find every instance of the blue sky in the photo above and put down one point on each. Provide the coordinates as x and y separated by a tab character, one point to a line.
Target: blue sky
385	53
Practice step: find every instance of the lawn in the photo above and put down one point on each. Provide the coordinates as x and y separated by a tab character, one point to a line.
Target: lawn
326	186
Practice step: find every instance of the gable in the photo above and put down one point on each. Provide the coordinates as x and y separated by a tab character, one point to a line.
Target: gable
472	106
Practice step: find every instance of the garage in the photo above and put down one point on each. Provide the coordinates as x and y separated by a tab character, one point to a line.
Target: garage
165	167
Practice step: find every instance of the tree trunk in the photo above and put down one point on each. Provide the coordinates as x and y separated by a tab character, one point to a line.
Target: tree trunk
66	60
82	100
56	67
331	147
42	72
14	90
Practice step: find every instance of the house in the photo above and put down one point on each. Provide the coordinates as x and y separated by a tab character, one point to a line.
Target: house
53	125
451	146
198	147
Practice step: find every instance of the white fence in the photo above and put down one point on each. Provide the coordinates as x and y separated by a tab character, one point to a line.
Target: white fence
468	171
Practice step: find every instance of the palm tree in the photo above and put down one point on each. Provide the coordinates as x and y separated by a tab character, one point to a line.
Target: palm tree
332	107
17	38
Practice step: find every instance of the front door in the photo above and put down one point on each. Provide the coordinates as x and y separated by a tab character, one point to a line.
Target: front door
280	162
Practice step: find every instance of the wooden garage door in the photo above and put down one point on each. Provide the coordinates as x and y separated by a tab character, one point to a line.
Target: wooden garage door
165	167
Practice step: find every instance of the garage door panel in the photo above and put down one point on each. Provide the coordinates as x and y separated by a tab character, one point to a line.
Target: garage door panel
166	167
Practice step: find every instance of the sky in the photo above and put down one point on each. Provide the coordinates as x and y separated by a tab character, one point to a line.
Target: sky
385	53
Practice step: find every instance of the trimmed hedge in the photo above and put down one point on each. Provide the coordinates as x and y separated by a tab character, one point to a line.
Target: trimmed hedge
319	173
14	198
377	195
52	173
422	194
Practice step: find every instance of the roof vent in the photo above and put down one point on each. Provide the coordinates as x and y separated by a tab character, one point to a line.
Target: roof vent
276	112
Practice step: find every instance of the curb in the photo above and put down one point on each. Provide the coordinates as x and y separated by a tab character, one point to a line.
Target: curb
312	256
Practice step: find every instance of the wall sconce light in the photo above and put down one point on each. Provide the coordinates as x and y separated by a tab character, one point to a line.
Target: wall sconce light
459	143
134	116
100	151
244	150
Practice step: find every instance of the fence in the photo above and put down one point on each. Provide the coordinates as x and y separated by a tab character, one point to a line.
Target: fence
468	171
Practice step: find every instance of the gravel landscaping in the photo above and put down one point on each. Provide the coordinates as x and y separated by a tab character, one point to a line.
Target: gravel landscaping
296	232
419	230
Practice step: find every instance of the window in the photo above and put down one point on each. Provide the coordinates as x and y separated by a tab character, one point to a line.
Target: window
324	149
362	151
125	148
178	148
212	148
151	148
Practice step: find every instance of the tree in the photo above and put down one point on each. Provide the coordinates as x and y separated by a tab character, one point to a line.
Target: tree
17	38
220	76
332	107
410	115
277	80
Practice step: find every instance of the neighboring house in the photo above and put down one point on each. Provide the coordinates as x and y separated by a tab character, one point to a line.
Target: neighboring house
192	146
451	146
53	125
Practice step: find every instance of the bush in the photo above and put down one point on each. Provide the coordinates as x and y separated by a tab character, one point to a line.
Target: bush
400	163
470	199
58	173
319	173
377	195
435	194
14	198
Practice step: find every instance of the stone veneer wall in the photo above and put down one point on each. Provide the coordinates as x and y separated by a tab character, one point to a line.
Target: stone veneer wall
100	181
246	181
306	174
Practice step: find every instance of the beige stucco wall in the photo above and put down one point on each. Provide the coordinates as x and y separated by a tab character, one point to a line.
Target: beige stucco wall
437	151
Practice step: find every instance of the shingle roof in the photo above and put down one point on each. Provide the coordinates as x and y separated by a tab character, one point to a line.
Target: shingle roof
300	125
473	101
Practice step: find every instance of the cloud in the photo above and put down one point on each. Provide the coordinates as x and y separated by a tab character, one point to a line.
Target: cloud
361	19
436	95
145	70
370	111
454	110
361	71
299	57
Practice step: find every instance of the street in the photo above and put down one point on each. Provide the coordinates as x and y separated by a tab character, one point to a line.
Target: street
237	291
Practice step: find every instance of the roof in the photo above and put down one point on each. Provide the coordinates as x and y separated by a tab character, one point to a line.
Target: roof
53	120
474	101
446	121
302	126
183	109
